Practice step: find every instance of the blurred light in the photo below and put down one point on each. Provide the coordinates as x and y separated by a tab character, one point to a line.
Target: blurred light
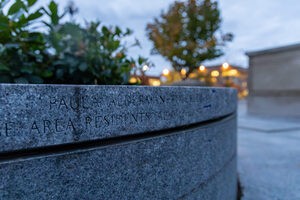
145	68
202	68
166	72
215	73
132	80
225	65
183	71
214	80
155	82
232	72
193	75
245	93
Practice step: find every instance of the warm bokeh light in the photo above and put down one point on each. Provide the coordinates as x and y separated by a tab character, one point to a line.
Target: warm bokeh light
183	71
215	73
145	68
132	80
193	75
233	72
165	72
245	93
214	80
154	82
225	65
202	68
202	79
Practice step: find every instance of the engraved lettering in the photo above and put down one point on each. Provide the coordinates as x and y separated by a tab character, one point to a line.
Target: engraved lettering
7	128
47	125
134	117
57	121
76	102
83	104
34	127
62	103
106	120
52	102
148	115
88	121
70	125
162	99
97	121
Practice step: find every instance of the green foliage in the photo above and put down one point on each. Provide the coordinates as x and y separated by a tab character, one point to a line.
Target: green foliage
67	53
188	34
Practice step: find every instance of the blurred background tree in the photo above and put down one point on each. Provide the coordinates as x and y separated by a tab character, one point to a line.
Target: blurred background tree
66	53
188	34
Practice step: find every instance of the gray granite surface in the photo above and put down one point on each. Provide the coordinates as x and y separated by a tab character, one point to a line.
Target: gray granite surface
34	116
195	163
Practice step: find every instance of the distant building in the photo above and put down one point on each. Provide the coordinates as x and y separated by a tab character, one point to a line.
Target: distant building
274	83
223	75
233	76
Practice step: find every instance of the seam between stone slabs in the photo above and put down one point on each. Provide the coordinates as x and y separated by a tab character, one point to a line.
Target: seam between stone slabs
70	148
209	179
270	131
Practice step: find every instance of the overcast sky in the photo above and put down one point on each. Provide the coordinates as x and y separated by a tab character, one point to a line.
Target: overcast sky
256	24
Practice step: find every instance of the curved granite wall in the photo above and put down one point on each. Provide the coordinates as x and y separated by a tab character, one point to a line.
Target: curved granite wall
117	142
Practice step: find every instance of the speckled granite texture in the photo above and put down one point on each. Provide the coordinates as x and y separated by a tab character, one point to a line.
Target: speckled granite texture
117	142
197	163
41	115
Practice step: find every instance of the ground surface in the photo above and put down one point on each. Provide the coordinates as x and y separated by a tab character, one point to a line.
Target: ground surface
268	157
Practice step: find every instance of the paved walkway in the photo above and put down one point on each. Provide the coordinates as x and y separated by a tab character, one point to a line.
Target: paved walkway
269	157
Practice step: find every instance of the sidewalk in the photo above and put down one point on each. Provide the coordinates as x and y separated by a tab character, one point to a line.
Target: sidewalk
268	157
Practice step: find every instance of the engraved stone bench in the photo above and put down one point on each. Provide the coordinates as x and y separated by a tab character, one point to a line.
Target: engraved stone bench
117	142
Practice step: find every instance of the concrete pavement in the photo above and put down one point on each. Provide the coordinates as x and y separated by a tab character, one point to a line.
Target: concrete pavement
268	157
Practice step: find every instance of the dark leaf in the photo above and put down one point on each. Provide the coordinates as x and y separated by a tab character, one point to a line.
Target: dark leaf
35	79
31	2
21	80
27	69
53	7
118	31
3	67
47	74
4	22
141	60
16	7
5	79
35	15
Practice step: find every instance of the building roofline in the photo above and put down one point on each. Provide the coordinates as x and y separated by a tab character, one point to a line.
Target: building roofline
274	50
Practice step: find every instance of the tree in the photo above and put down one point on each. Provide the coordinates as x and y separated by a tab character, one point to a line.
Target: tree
188	34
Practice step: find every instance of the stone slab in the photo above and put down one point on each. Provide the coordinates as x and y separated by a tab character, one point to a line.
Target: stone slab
268	162
269	165
195	163
276	106
33	116
268	125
